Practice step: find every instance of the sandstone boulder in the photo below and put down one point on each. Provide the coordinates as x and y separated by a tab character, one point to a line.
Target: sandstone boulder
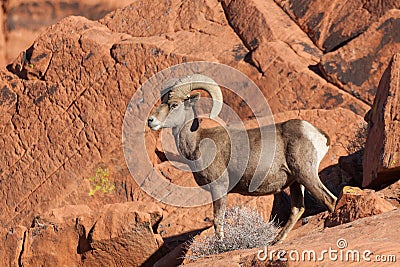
382	152
75	235
286	59
194	30
392	193
358	66
123	236
289	84
12	240
354	204
48	244
259	22
25	20
332	24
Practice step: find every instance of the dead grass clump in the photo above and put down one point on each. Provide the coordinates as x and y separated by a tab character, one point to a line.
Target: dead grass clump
244	229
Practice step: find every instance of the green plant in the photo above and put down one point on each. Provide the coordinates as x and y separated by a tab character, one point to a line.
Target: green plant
244	228
100	182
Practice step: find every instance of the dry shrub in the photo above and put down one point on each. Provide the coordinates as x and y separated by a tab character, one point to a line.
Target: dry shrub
244	229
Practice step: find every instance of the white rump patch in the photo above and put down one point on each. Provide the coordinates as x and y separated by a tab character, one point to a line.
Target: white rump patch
317	138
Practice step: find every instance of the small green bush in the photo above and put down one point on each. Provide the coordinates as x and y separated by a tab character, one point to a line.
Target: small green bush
244	229
100	182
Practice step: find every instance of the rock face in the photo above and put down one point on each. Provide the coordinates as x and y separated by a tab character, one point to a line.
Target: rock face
2	40
330	24
356	67
248	16
392	193
79	236
121	230
289	56
23	21
354	204
49	152
382	152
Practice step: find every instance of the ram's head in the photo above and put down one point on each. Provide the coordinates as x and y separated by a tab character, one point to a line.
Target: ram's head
177	103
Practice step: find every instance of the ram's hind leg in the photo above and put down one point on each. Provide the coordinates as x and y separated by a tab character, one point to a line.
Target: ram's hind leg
297	209
307	175
305	156
319	191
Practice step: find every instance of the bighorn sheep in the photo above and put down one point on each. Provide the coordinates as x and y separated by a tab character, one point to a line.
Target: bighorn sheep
299	149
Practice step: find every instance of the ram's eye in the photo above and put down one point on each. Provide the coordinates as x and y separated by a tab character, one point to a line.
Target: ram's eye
173	106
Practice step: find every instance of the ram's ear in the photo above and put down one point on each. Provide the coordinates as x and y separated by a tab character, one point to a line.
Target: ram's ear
192	99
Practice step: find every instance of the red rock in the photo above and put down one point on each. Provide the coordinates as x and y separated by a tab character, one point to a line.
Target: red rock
382	150
392	193
78	236
330	24
50	128
173	258
191	29
48	244
2	40
12	240
289	84
354	204
286	59
259	22
358	66
226	259
123	236
24	20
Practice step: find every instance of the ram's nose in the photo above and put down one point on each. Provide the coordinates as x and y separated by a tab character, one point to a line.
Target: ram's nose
153	123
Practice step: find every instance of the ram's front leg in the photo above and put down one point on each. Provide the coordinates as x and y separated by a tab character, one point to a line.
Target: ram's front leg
219	190
219	207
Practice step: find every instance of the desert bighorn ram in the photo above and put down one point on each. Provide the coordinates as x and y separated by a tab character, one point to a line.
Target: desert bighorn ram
299	150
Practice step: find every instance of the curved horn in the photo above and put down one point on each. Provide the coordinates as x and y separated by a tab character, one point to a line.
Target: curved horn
185	85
